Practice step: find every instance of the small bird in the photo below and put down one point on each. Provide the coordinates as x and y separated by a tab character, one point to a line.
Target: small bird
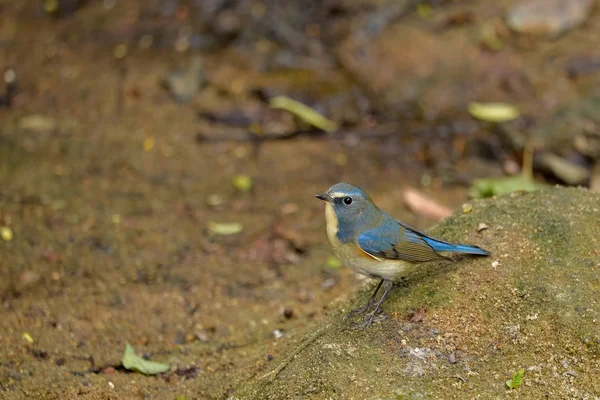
373	243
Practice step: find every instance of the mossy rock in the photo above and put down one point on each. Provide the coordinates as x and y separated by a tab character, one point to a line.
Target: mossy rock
534	304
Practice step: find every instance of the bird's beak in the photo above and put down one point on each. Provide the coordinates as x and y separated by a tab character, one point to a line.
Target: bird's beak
324	197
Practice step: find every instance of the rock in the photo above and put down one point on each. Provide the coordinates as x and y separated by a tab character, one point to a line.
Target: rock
185	84
410	71
575	126
537	308
551	18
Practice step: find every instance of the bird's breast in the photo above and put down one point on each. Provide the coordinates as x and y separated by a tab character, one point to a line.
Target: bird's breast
354	258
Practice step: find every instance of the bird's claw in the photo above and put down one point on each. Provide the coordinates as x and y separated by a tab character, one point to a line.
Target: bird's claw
367	321
364	309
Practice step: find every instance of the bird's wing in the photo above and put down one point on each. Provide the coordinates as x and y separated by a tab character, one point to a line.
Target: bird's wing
394	241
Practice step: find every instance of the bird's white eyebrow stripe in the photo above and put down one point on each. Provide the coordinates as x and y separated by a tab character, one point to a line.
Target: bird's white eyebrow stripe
337	194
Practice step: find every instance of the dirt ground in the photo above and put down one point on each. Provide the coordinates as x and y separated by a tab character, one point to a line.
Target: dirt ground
110	188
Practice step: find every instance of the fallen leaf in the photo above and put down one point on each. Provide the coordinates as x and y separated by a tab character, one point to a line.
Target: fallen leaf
215	200
497	186
565	170
516	380
6	233
37	123
494	112
418	315
303	112
424	10
148	144
467	208
242	183
133	362
225	229
27	337
419	203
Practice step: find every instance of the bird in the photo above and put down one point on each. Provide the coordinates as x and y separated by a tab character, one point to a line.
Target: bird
371	242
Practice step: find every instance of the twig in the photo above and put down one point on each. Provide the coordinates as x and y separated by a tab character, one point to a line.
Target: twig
459	377
273	374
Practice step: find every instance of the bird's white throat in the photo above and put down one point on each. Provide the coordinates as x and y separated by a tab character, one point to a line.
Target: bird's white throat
332	221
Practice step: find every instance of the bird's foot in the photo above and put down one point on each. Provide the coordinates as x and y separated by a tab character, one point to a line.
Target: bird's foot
362	310
367	321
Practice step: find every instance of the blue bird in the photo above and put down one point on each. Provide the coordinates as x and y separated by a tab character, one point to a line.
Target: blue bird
373	243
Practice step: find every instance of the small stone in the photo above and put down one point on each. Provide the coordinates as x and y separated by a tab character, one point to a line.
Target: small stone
108	371
328	283
278	333
482	227
551	18
185	84
452	358
202	336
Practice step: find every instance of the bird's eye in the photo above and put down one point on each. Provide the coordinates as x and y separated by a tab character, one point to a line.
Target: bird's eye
347	200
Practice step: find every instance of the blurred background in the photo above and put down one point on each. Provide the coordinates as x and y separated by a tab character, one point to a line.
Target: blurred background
158	161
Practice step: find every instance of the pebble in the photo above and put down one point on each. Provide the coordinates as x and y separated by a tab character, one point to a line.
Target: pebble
288	313
185	84
550	18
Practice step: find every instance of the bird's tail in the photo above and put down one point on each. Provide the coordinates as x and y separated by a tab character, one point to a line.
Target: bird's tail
456	248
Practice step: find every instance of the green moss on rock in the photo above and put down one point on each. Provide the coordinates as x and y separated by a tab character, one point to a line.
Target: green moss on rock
533	304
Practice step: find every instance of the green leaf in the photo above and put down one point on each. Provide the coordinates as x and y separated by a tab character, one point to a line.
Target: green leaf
225	229
303	112
516	380
494	112
497	186
133	362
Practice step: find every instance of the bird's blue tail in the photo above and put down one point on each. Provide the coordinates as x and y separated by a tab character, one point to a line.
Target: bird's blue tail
455	248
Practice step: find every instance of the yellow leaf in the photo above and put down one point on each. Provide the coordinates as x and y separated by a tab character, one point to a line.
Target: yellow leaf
148	144
225	229
6	233
243	182
27	337
467	208
303	112
494	112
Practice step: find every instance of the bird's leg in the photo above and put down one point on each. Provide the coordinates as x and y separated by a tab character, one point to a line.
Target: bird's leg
371	317
367	306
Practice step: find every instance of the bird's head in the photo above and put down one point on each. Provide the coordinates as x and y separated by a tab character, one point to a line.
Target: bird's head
352	207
